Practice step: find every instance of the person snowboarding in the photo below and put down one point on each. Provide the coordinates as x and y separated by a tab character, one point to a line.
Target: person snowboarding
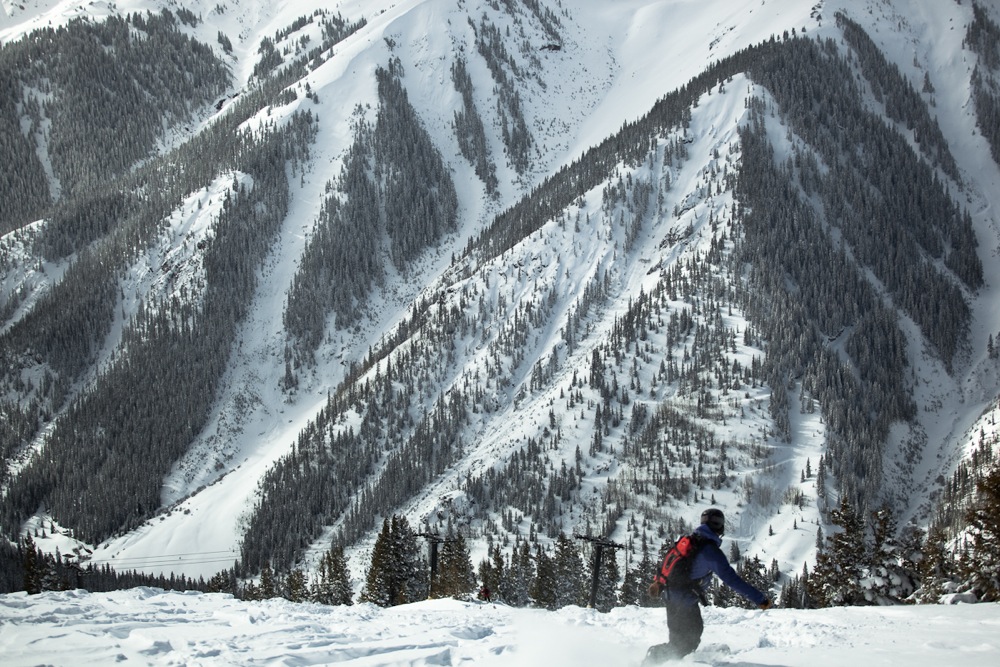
691	564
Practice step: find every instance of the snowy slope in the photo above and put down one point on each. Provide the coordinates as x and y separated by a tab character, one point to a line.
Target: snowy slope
150	627
616	61
928	37
599	81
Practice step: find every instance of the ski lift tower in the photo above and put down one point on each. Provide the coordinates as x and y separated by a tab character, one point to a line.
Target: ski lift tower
433	539
600	544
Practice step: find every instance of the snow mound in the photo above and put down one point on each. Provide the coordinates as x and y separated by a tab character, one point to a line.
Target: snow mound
149	626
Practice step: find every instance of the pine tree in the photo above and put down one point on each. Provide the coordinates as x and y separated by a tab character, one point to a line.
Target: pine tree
568	570
296	586
332	584
396	574
821	479
980	564
54	576
774	572
912	559
488	578
268	588
224	582
251	591
794	594
338	576
648	567
32	566
454	577
378	582
544	586
938	571
500	575
755	573
517	586
633	589
493	574
836	579
607	582
890	574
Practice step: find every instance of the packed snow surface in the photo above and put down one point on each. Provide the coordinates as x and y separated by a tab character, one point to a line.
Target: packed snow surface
148	626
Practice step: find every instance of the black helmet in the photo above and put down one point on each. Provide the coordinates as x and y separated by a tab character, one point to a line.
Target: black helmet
715	519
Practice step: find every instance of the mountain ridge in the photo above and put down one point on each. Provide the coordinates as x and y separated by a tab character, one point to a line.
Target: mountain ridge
699	204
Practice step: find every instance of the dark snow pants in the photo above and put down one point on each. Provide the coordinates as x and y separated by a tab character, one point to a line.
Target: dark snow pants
685	625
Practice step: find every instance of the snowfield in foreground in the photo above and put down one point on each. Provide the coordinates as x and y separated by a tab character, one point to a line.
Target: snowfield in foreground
154	627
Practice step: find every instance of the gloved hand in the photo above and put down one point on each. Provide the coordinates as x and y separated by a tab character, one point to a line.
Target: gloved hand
654	589
765	605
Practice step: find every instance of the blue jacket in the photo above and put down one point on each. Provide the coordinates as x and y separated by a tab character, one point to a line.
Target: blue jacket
710	560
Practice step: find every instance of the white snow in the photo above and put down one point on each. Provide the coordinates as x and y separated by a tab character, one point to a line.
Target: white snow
147	626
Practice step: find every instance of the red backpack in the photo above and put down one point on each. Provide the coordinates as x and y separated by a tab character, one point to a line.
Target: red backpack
675	571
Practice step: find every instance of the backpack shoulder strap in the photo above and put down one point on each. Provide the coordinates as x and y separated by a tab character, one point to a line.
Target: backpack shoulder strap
698	541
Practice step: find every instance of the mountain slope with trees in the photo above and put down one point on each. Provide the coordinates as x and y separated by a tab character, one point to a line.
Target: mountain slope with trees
351	269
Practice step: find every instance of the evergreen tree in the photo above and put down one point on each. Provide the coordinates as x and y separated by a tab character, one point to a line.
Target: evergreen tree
980	564
487	575
755	573
454	573
836	579
891	576
218	582
794	594
397	574
912	559
569	573
721	595
518	586
938	573
544	586
268	585
296	586
413	570
632	590
333	583
378	583
493	574
607	581
224	582
635	584
500	574
648	568
33	566
251	591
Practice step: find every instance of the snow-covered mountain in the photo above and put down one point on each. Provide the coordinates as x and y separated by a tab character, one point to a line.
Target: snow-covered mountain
516	266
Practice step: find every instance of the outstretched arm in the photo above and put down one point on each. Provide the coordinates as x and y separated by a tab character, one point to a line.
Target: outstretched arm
720	565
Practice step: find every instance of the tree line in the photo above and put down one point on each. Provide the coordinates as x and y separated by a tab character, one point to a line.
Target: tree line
393	184
983	37
867	205
106	96
866	561
103	465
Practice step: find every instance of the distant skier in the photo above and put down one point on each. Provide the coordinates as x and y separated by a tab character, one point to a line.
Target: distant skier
484	593
687	585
